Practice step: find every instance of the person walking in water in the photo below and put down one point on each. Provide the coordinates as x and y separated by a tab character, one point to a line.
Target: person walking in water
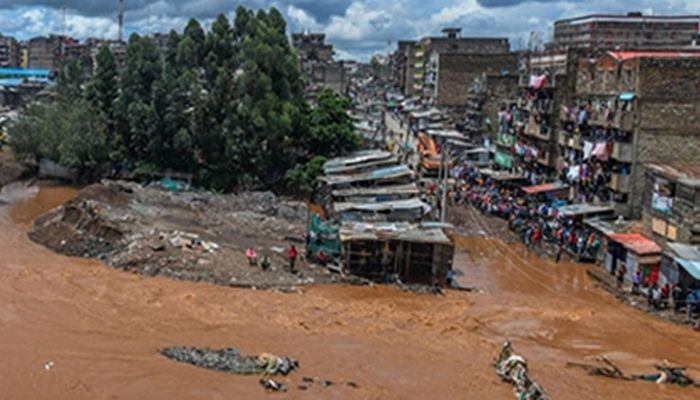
292	257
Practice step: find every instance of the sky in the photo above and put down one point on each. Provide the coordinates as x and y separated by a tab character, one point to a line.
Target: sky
357	28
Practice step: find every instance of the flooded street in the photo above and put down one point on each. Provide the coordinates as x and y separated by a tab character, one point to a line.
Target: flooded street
102	328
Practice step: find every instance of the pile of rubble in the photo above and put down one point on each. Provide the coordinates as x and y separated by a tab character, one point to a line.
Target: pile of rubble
196	236
230	360
512	368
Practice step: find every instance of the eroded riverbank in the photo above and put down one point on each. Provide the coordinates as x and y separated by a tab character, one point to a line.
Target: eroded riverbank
102	328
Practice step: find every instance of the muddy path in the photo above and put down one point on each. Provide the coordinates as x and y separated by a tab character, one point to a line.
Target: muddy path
102	329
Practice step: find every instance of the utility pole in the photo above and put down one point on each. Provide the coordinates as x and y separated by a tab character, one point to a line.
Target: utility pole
446	173
64	32
120	20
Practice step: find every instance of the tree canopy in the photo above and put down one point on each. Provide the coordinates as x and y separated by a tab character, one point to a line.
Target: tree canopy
226	106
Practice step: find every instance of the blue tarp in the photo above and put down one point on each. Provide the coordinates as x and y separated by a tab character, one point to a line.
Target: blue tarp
626	96
19	81
693	267
25	72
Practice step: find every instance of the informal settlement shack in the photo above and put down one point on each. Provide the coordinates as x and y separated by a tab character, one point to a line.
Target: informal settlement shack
384	231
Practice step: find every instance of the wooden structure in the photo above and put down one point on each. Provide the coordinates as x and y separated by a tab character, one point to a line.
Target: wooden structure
415	253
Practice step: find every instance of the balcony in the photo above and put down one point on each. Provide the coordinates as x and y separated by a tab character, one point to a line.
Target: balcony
543	160
624	120
566	115
535	130
599	119
575	142
622	152
505	140
563	139
619	183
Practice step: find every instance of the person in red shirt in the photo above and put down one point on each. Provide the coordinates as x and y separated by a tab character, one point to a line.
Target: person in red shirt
292	257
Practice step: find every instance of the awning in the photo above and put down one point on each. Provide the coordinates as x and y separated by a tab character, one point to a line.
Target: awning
692	267
585	209
544	188
687	256
637	243
626	96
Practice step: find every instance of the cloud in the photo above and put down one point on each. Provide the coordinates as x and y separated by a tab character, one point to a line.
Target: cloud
357	28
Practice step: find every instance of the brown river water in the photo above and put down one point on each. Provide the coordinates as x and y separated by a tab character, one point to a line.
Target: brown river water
102	329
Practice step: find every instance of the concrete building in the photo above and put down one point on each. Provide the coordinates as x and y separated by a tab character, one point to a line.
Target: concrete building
631	31
486	98
45	52
455	73
404	59
24	55
316	60
430	50
9	52
671	210
312	47
528	123
633	108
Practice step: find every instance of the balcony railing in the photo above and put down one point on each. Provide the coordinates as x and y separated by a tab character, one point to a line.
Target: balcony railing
537	131
624	120
622	152
620	183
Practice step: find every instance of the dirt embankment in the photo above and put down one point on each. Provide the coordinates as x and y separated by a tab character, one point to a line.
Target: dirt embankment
188	236
10	169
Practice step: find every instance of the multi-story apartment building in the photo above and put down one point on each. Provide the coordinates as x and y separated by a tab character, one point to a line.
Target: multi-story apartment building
633	30
9	52
631	108
671	211
444	67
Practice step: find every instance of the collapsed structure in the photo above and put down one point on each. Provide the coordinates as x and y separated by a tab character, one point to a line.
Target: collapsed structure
384	230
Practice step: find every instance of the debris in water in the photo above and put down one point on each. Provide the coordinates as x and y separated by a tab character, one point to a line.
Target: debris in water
672	375
512	368
272	385
609	370
230	360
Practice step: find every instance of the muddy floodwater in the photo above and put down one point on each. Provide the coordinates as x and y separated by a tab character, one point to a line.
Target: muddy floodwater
102	328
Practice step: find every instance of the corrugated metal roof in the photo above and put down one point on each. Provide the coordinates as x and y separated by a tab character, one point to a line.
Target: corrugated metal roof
353	231
356	168
684	172
378	174
584	209
687	256
395	205
357	158
610	227
637	243
411	188
629	55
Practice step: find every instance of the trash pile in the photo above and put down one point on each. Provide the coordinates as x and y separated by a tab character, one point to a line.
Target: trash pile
665	373
191	241
231	361
512	368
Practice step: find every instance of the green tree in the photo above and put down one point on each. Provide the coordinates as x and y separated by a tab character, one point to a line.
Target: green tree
331	131
194	32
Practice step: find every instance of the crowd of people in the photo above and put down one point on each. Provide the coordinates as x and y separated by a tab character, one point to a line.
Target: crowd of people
535	219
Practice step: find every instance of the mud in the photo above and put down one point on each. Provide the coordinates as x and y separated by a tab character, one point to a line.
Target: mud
102	328
200	237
